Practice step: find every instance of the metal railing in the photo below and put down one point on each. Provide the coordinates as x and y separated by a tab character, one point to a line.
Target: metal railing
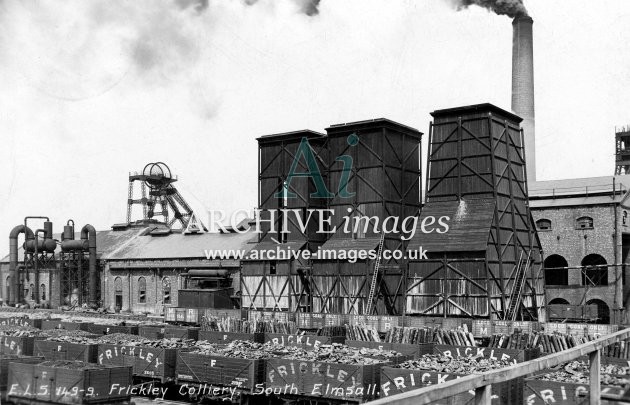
482	383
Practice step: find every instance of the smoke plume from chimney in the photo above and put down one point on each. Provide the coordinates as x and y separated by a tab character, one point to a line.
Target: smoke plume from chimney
511	8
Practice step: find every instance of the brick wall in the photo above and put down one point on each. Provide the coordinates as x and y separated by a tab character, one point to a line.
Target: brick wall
130	280
574	244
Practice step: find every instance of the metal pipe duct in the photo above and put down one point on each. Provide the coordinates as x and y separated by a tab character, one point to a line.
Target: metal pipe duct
14	293
35	261
523	86
89	233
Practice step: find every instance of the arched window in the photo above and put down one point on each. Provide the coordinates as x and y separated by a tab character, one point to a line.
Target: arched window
32	292
543	225
42	291
166	290
556	272
584	223
142	290
7	289
118	294
558	301
118	285
603	313
594	270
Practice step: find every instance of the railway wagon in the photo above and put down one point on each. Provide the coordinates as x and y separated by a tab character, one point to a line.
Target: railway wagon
344	382
308	342
19	345
226	337
5	359
148	362
52	350
399	380
409	350
70	383
540	392
219	370
99	329
57	324
21	321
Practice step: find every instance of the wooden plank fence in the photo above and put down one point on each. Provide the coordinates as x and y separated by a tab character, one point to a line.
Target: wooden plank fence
482	383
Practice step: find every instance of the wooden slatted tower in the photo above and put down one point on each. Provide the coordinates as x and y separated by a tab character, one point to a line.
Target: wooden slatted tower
477	178
383	181
283	284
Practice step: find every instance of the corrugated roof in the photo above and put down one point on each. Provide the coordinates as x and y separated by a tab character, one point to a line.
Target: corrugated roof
180	246
469	226
579	186
341	244
106	241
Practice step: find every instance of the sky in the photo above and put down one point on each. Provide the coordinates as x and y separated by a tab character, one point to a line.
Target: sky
93	90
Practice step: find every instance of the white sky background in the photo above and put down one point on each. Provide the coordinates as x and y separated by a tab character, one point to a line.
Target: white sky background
90	90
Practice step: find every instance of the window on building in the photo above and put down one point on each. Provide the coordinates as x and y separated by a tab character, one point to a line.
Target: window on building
32	292
556	272
543	225
272	267
594	270
7	289
166	290
142	290
603	312
558	301
42	291
584	223
118	293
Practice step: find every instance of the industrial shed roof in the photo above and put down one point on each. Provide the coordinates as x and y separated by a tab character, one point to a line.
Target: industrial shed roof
578	187
341	244
180	246
469	226
106	241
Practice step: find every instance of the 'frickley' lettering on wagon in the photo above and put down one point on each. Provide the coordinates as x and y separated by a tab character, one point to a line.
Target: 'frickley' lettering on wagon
132	351
477	352
288	340
314	368
11	344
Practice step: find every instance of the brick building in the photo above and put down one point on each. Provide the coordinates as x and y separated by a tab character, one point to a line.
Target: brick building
584	230
141	269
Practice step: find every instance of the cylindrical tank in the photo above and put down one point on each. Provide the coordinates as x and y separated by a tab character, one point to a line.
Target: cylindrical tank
43	245
79	244
48	230
68	233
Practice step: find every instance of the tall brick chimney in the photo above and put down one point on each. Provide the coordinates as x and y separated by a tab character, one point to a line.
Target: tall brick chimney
523	87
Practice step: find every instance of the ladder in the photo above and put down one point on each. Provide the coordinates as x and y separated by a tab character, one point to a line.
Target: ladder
377	264
516	296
